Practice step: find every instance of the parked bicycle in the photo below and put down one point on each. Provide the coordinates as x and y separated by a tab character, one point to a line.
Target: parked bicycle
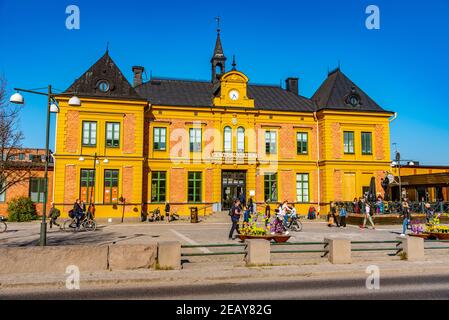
174	216
3	225
87	223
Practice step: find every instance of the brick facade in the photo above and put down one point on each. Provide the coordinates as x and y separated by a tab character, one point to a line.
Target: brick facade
129	124
72	129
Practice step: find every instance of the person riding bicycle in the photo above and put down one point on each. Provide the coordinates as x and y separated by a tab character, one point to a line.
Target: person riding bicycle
78	212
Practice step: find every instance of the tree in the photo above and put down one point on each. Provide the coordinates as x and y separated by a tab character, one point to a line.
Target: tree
12	171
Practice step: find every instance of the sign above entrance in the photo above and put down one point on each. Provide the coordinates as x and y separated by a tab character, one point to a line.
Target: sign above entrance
231	156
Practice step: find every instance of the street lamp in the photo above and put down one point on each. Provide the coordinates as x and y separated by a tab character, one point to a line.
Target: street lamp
96	161
52	107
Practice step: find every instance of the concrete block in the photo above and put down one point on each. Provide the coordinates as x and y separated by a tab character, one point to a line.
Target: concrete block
169	255
257	252
132	256
413	248
53	259
339	250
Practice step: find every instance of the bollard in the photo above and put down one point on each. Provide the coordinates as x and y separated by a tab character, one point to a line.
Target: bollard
412	247
169	255
257	252
339	250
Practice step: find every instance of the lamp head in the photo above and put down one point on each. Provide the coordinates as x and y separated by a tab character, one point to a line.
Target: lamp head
17	98
75	101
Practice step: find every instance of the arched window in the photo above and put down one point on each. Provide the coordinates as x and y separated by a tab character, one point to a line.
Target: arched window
240	139
227	139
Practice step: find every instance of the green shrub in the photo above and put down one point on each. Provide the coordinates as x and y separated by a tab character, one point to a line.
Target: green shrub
21	209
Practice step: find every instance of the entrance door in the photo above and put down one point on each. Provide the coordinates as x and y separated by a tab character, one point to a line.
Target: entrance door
232	184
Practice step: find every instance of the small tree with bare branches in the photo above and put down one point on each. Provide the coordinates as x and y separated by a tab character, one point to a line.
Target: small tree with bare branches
12	171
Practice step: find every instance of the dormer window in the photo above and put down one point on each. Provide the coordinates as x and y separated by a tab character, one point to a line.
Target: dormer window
103	86
353	100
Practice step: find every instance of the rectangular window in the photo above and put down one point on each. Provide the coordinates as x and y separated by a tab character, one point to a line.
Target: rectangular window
194	186
87	185
195	140
21	156
89	133
348	141
270	187
159	139
270	142
110	186
158	186
3	194
301	142
112	134
37	189
302	187
31	157
366	143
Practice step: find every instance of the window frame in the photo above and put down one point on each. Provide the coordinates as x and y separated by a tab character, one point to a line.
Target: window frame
158	179
300	144
40	193
348	151
240	130
363	136
113	134
3	194
197	184
111	179
88	182
269	144
159	142
303	182
89	144
268	184
227	143
194	143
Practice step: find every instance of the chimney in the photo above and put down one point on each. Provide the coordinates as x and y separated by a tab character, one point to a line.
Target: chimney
137	70
291	85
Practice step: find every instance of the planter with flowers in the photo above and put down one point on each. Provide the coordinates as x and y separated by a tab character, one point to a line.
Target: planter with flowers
431	230
251	230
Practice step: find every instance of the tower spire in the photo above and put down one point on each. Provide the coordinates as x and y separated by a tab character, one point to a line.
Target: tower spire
233	63
218	58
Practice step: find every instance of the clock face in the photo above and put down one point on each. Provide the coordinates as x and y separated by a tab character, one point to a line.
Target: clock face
234	95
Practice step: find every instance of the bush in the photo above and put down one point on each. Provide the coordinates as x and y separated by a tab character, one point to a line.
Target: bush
21	209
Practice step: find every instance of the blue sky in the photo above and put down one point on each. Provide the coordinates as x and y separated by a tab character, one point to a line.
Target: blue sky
403	66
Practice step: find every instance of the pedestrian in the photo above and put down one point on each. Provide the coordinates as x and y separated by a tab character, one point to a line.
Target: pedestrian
167	212
242	199
367	216
285	211
356	206
236	212
405	216
53	215
267	215
343	215
78	213
334	214
429	212
246	215
312	213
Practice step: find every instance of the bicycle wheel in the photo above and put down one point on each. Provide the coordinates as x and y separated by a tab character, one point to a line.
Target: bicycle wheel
298	224
90	225
69	225
3	227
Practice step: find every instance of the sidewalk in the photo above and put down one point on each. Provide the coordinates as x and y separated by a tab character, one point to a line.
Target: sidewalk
221	273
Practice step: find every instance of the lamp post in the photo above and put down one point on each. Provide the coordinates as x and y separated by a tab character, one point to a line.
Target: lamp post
397	163
105	161
52	106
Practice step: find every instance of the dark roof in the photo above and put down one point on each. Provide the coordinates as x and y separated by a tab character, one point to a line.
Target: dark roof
334	91
200	94
104	69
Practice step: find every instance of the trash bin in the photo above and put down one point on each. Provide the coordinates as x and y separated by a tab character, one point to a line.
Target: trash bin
194	214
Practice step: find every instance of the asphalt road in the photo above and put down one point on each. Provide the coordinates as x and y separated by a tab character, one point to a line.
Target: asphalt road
396	288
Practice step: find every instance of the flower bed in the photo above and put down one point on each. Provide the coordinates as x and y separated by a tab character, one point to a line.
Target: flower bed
431	230
252	230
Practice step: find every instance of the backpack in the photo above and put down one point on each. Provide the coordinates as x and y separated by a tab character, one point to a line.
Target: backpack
230	212
57	213
71	214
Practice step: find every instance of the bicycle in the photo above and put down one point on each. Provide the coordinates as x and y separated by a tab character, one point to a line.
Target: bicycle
294	223
86	223
156	216
3	225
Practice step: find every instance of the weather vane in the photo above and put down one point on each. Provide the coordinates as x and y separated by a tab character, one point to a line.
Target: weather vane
218	23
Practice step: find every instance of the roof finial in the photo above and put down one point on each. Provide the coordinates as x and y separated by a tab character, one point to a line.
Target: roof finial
339	64
233	62
218	23
107	47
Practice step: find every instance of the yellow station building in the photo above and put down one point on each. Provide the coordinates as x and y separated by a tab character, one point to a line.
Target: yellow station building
202	143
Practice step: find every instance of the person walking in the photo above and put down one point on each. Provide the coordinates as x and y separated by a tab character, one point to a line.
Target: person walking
405	216
267	215
236	212
53	215
368	216
343	215
356	206
334	214
167	212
